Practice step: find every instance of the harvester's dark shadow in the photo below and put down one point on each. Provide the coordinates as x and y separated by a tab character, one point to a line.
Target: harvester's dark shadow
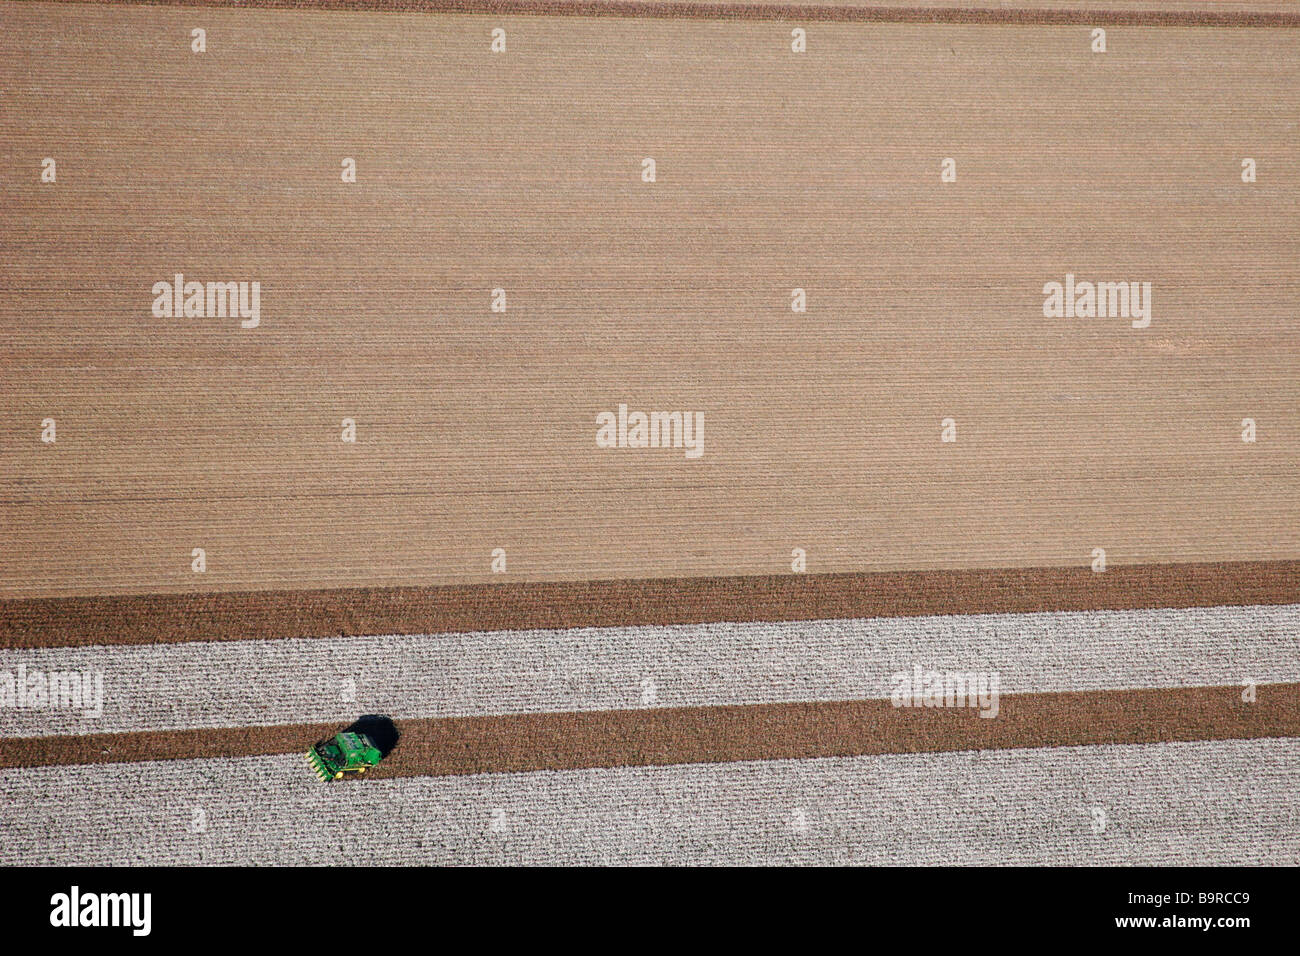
378	728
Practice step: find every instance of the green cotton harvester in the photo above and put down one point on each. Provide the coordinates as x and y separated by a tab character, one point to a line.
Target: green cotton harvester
344	755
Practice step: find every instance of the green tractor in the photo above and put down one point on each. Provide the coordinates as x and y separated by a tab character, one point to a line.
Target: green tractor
344	755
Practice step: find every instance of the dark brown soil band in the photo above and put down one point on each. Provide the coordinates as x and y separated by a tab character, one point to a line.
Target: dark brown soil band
334	612
687	735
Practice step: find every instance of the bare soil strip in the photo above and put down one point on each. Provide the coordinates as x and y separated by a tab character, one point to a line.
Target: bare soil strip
1261	13
685	735
193	454
333	612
